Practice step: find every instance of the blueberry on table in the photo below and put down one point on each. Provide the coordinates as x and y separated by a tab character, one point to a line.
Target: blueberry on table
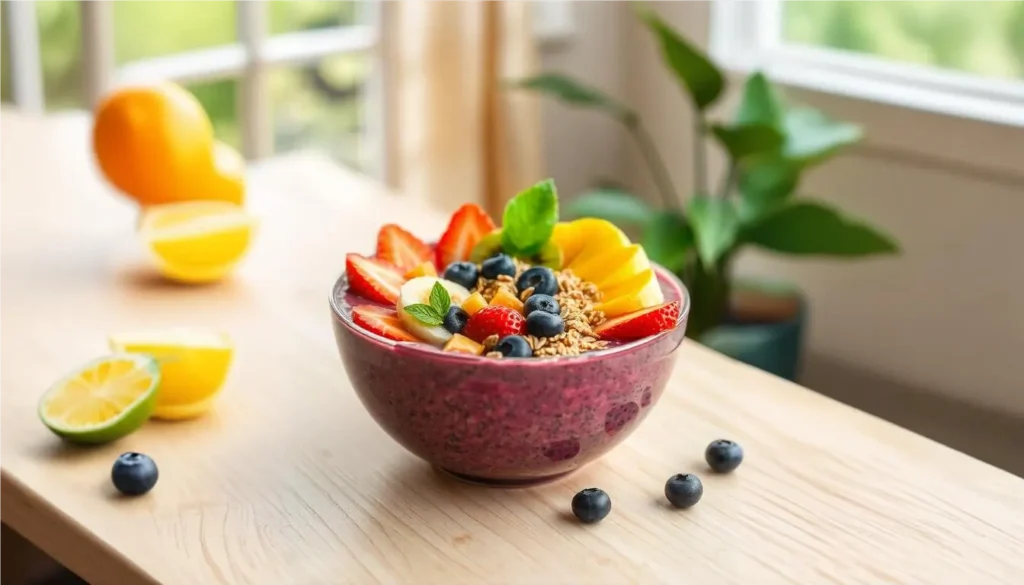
723	455
546	303
541	324
684	490
496	266
455	319
591	505
464	273
540	279
134	474
514	346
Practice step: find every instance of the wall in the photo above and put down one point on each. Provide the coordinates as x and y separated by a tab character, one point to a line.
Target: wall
946	317
580	146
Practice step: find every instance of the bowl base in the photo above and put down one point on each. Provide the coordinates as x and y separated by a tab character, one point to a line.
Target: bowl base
503	483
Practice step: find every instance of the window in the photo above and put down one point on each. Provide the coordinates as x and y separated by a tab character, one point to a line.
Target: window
961	58
273	76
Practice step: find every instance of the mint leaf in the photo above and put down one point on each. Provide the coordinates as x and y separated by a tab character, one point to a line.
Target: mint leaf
425	314
529	219
440	301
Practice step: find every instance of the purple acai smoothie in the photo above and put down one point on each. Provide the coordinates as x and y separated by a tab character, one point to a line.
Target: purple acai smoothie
509	421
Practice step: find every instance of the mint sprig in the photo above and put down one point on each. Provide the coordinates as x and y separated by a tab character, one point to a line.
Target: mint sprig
432	314
529	219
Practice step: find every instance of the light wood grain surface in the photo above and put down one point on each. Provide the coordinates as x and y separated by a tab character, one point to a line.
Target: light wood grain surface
289	481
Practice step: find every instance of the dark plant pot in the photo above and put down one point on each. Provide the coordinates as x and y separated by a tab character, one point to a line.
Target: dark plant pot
765	329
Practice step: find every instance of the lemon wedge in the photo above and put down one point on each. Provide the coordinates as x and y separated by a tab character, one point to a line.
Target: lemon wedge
197	241
193	364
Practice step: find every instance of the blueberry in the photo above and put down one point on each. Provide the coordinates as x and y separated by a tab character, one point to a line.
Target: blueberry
134	474
463	273
684	490
455	319
591	505
541	324
498	265
723	456
514	346
545	303
540	279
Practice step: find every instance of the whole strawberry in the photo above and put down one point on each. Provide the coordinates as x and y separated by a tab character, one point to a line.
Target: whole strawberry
494	320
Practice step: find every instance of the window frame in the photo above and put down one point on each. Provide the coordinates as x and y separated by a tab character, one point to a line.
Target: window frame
937	117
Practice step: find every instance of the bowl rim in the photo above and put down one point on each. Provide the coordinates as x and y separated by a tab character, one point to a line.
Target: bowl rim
426	350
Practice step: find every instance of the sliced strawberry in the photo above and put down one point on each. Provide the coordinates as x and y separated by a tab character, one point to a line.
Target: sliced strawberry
639	324
382	321
373	279
401	248
468	226
494	320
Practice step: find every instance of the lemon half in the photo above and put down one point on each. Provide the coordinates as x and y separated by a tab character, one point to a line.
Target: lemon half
197	241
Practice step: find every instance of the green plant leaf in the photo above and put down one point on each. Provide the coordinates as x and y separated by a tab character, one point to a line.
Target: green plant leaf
715	225
616	206
425	314
760	103
440	300
744	141
575	93
529	219
667	239
699	76
811	137
813	228
765	184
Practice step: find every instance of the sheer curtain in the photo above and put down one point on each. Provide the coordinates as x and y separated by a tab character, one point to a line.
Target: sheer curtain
457	134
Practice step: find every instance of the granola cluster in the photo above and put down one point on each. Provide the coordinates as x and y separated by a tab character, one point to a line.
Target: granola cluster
576	298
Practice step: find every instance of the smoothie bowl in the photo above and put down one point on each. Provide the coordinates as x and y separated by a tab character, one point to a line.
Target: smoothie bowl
503	360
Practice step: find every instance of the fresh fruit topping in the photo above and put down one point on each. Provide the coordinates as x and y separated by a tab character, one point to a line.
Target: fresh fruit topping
640	324
462	273
423	305
495	266
402	249
373	279
591	505
588	237
568	237
469	225
462	344
611	266
550	255
104	400
684	490
382	321
197	241
193	366
514	346
546	303
540	279
723	455
637	293
422	269
487	247
474	304
504	298
134	474
455	319
542	324
529	219
500	321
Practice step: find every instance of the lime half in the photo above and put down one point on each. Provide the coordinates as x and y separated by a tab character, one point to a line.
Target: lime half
104	400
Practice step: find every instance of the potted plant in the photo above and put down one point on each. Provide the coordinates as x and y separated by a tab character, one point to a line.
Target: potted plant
769	145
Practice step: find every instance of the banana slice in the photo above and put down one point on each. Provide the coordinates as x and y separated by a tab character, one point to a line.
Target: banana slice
417	292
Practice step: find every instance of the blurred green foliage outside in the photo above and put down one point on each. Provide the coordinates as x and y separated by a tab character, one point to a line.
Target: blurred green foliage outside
315	106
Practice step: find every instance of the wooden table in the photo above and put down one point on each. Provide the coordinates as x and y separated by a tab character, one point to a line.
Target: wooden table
289	480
